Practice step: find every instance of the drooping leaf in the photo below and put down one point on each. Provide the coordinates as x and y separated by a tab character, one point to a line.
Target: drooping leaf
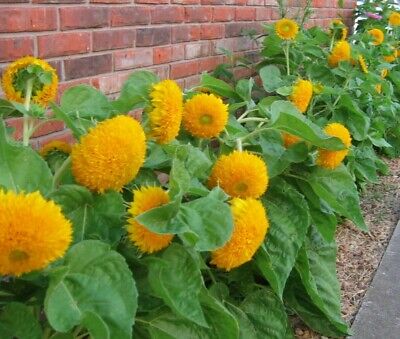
336	187
267	313
176	278
18	321
94	216
94	288
286	118
21	168
271	78
289	219
218	86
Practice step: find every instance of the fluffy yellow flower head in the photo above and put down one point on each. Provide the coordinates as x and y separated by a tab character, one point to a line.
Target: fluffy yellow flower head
110	155
205	116
240	174
332	159
335	23
377	35
166	114
391	58
362	63
394	19
250	227
341	52
55	145
41	96
301	94
33	233
289	139
146	199
286	29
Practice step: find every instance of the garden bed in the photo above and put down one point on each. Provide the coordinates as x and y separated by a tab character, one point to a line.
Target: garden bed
359	253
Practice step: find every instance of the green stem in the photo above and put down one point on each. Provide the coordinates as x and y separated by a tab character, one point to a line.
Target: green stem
211	274
332	41
253	119
255	132
246	114
239	144
27	105
286	51
60	171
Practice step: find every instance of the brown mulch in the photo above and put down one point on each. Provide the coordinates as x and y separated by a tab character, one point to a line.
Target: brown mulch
359	253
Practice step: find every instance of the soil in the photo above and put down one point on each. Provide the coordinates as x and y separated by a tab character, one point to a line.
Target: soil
359	253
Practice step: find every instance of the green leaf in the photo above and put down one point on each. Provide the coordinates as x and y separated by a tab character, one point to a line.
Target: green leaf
350	114
135	91
17	321
93	288
285	117
21	168
244	89
246	327
176	278
179	178
336	187
316	265
85	102
267	314
219	87
289	219
93	216
321	214
210	219
77	131
7	109
271	78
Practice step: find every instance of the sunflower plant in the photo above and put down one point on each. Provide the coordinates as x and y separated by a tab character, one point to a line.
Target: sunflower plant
213	215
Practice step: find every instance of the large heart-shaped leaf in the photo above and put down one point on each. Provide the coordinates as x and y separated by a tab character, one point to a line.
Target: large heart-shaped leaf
93	288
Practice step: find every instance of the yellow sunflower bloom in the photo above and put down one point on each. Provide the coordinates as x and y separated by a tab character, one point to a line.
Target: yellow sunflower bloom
391	58
33	233
250	228
205	116
332	159
240	174
341	52
55	145
110	155
344	34
41	96
166	114
289	139
394	19
378	88
377	35
146	199
301	94
286	29
336	23
384	73
363	64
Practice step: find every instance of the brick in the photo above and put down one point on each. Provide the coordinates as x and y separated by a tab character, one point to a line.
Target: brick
238	2
48	128
212	31
198	14
61	2
212	2
197	50
162	55
185	33
83	17
223	13
65	135
63	86
184	69
113	39
13	1
60	44
156	2
26	19
208	64
236	29
130	16
14	48
256	2
245	14
133	58
186	2
264	13
110	1
167	14
87	66
161	71
192	81
153	36
112	83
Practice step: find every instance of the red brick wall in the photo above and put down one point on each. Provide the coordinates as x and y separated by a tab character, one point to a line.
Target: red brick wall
100	42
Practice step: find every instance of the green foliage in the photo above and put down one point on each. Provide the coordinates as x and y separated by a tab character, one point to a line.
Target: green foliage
93	288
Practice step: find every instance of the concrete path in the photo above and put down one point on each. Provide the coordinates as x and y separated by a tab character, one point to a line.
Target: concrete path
379	315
